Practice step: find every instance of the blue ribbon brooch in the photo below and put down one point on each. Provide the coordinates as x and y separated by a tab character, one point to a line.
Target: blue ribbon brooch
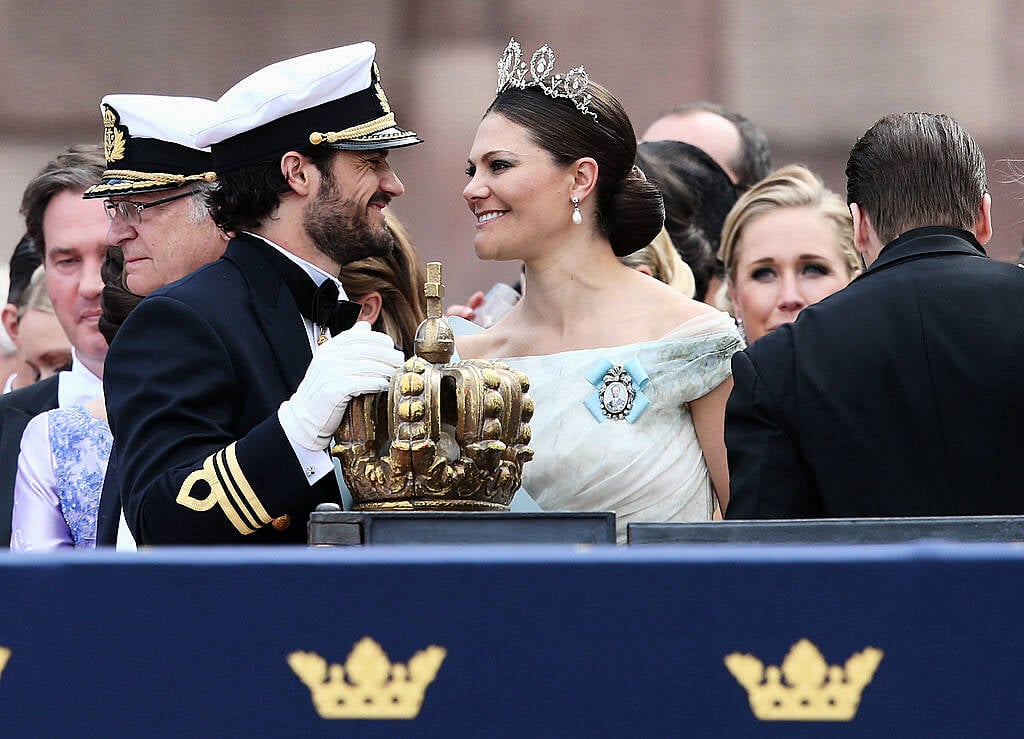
618	391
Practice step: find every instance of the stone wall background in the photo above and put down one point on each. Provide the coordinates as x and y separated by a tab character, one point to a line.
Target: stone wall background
813	75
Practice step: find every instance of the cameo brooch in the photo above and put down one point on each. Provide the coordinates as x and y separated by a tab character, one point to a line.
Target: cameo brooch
617	391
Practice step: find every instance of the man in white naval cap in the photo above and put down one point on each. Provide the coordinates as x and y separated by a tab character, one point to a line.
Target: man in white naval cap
154	189
223	389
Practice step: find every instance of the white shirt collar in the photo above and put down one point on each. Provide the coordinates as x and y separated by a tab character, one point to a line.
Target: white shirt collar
78	385
315	273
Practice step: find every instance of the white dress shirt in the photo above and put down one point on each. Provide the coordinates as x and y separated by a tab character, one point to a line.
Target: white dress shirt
316	464
78	385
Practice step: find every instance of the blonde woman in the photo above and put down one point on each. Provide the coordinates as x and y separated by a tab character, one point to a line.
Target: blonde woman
786	244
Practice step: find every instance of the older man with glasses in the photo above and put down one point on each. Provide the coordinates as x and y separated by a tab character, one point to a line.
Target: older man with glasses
154	191
155	188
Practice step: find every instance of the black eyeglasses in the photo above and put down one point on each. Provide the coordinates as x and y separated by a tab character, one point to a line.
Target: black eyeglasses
131	211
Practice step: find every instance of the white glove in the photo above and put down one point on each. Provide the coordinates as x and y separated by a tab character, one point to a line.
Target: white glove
354	362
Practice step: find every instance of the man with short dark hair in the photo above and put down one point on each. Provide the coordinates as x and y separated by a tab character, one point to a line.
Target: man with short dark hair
899	395
71	235
225	388
732	140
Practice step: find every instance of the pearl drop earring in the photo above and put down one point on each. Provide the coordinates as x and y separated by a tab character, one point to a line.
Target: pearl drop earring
577	217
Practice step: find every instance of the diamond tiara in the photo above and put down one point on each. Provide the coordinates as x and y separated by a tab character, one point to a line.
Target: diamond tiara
512	71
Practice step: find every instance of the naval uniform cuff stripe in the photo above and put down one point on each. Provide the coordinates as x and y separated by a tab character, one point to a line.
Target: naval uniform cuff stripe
231	497
239	478
217	495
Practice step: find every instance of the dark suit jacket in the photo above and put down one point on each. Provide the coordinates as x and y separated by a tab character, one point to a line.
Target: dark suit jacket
109	516
901	395
16	409
193	382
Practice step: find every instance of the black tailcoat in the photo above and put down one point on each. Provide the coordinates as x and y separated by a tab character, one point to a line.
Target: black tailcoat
17	408
193	382
900	395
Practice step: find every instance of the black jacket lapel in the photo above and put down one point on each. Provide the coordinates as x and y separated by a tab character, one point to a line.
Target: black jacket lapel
275	309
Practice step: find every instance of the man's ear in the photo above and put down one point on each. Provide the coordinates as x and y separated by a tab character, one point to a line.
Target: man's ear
863	231
9	318
295	168
372	303
983	228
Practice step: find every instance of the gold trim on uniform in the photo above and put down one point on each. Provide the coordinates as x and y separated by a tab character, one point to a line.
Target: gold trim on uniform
229	489
354	132
135	180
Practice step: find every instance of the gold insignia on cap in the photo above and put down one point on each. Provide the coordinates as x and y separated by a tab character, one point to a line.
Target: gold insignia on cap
114	135
807	688
380	90
368	685
5	654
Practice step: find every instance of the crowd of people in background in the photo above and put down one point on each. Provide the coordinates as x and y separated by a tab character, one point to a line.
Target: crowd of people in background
201	292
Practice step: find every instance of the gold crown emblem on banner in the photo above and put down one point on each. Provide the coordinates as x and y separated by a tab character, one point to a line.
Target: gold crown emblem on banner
807	688
368	686
445	436
5	654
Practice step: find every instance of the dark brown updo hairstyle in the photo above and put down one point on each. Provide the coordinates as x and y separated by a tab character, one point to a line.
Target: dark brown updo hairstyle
116	300
630	211
698	195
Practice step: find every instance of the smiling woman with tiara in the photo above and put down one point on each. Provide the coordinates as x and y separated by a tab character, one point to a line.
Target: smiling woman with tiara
629	376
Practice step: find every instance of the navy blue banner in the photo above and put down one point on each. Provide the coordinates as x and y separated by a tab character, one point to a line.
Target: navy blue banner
513	641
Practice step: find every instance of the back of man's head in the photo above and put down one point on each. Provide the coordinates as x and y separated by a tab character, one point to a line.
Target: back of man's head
75	169
753	161
916	169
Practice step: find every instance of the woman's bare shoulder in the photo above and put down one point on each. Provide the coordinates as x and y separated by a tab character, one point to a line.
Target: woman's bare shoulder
669	308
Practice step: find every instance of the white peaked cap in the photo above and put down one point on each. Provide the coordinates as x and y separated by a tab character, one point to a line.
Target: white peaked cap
149	143
331	98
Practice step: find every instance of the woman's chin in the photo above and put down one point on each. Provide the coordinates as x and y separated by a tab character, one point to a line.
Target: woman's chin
488	253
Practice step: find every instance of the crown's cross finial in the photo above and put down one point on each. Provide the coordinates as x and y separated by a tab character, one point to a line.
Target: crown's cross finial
434	289
434	339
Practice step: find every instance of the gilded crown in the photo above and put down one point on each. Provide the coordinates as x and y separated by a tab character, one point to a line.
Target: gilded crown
512	73
368	685
807	688
446	436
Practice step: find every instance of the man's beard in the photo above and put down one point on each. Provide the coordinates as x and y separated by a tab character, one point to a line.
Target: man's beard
341	230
